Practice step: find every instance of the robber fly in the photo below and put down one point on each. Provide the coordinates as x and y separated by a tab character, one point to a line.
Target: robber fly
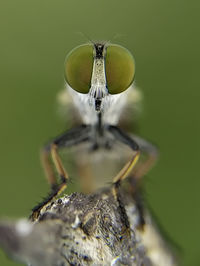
99	79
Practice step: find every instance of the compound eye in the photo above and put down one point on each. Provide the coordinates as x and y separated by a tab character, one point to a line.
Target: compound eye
120	68
78	68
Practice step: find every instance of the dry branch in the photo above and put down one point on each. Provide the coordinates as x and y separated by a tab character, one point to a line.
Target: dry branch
87	230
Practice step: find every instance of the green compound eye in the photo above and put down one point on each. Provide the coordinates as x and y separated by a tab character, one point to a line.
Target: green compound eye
120	68
78	68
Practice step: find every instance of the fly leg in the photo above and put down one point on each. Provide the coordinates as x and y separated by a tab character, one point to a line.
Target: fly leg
126	139
70	138
138	145
151	154
143	166
125	171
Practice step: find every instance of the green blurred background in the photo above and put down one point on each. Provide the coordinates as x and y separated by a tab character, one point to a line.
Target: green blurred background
164	38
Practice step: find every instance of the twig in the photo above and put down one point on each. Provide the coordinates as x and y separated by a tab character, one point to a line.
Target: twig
87	230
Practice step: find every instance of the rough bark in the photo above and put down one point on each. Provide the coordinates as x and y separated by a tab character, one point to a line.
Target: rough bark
87	230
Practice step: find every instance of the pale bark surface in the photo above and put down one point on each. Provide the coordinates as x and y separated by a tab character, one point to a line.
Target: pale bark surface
87	230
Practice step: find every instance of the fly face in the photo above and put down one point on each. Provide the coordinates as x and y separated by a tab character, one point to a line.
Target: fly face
98	74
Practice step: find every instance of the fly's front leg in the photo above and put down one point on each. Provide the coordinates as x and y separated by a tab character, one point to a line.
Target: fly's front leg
126	170
70	138
142	167
138	145
47	166
124	138
145	164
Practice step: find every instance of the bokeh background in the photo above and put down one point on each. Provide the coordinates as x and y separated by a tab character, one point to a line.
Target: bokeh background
164	37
